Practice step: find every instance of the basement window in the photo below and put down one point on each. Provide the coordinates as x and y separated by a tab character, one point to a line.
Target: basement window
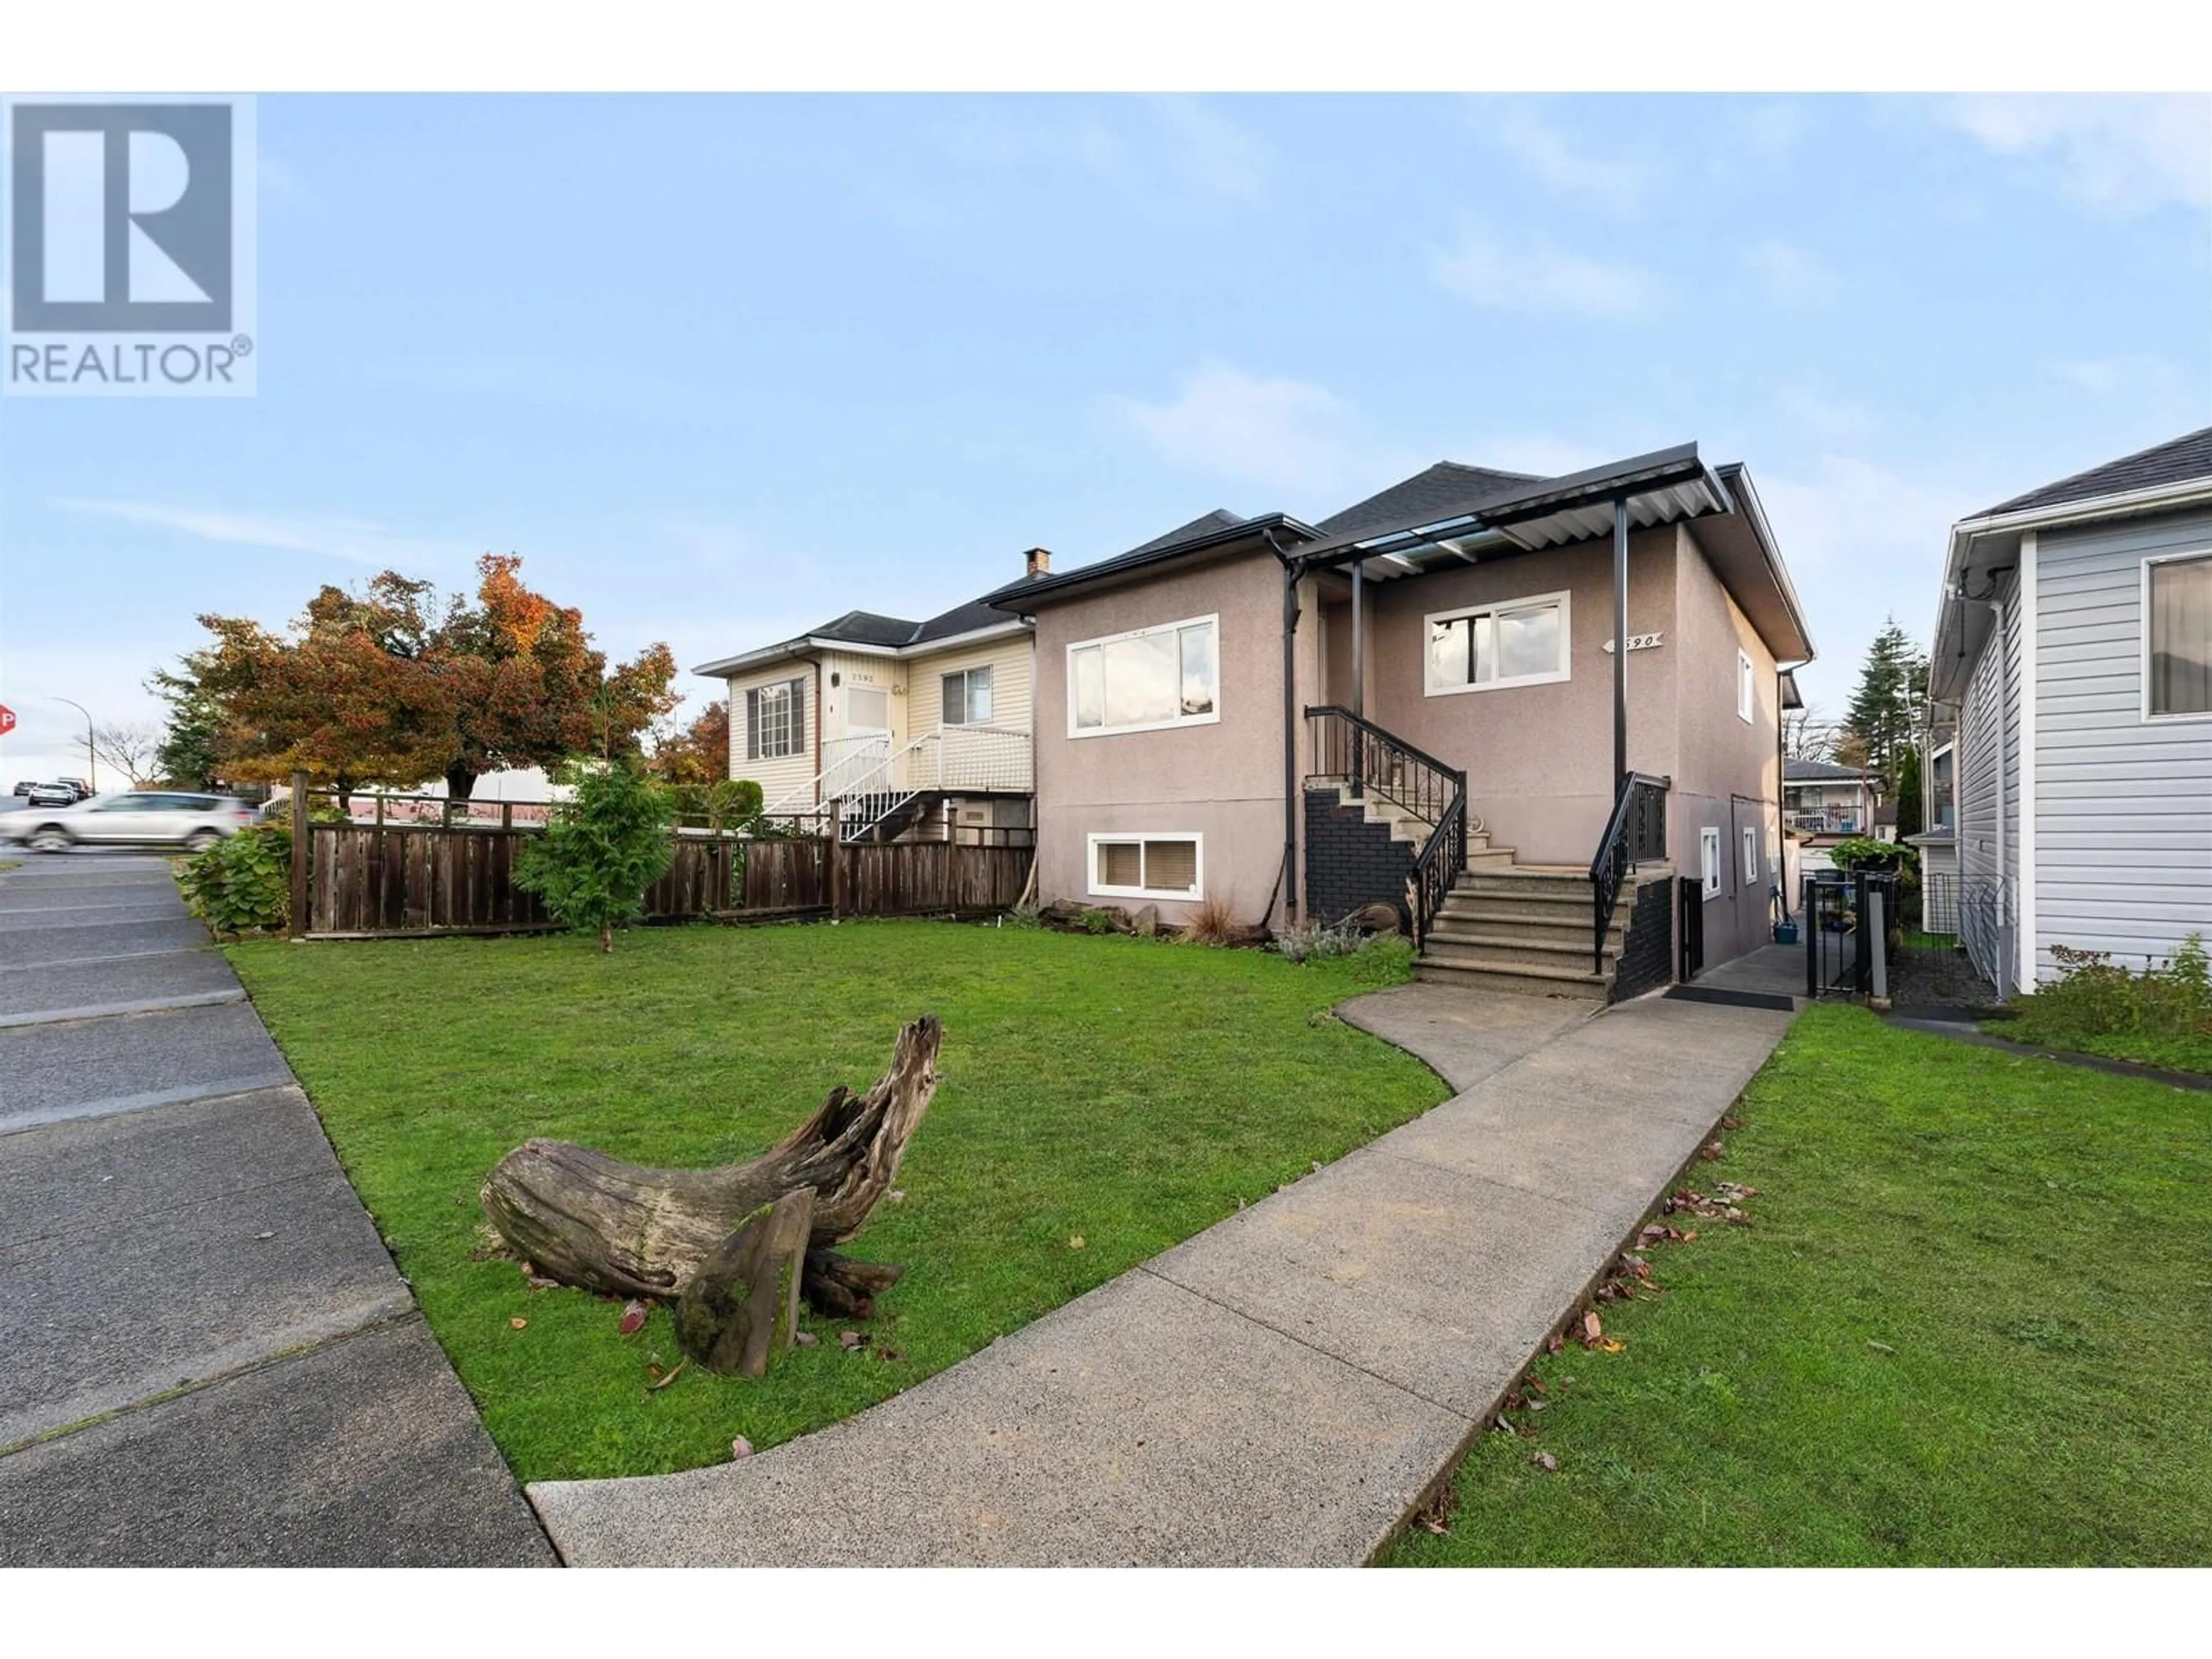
1165	866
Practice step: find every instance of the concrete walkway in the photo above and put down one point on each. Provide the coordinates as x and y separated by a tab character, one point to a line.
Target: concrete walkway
206	1355
1281	1389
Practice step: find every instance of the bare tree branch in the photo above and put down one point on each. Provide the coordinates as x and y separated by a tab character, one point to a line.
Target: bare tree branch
129	747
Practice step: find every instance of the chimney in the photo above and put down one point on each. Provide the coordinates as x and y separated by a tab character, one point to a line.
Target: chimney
1038	562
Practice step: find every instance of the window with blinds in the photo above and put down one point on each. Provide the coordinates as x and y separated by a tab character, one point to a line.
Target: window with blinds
1147	866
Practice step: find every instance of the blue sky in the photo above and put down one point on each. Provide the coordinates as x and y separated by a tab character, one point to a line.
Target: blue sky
720	367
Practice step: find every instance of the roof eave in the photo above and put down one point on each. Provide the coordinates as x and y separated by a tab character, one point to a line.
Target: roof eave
1010	598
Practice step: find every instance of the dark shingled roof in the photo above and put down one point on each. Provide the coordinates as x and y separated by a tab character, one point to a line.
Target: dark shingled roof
1812	771
2176	461
961	619
1220	518
1444	489
866	627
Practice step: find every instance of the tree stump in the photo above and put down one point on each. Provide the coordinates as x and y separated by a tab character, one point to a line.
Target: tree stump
742	1304
594	1222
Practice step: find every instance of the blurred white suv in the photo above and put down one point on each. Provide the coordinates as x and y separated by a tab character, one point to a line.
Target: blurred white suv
139	818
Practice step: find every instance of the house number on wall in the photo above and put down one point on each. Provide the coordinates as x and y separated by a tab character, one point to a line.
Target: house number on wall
1636	642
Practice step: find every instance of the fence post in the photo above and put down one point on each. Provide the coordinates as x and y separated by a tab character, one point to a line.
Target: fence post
506	815
1880	1000
299	917
835	854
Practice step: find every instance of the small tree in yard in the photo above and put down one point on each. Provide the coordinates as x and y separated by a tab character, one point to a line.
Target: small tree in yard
602	849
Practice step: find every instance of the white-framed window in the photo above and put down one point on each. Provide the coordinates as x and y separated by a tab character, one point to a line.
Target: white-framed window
1708	859
1489	647
966	697
1146	679
2176	650
775	720
1747	689
1751	855
1166	864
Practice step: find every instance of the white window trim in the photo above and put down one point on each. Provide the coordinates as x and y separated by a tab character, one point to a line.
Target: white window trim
1092	885
1709	871
1750	856
2142	646
1563	600
1746	688
1212	717
966	683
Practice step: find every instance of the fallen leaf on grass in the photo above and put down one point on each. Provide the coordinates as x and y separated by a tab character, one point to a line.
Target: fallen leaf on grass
633	1318
1710	1151
1731	1123
739	1448
1592	1329
660	1382
517	1322
1546	1461
540	1282
1075	1240
805	1339
849	1340
890	1356
1611	1345
1880	1347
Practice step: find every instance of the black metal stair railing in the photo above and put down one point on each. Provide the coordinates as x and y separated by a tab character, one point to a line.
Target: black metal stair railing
1635	834
1370	761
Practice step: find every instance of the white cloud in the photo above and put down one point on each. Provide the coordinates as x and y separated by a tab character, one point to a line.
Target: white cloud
1535	274
1768	132
1792	273
357	541
1618	183
1282	434
2126	154
1160	155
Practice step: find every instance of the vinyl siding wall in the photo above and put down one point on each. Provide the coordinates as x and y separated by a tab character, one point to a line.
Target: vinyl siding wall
2123	805
775	777
1008	660
1988	750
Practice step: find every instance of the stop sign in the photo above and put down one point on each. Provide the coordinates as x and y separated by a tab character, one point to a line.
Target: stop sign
7	719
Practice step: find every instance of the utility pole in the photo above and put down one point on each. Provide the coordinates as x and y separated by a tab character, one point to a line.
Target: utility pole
91	755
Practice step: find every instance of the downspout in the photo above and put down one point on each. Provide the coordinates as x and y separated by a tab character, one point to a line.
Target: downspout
818	723
2004	734
1619	646
1287	882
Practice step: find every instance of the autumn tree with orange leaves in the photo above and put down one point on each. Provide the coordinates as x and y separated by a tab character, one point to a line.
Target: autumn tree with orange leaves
388	686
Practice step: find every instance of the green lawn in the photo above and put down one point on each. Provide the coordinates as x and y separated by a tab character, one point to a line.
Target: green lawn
2174	1053
1123	1092
1972	1323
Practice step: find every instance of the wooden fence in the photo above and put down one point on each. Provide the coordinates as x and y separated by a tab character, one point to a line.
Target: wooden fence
416	879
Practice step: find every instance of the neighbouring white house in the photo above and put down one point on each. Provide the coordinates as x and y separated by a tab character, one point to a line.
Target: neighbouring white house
916	731
1825	799
2071	677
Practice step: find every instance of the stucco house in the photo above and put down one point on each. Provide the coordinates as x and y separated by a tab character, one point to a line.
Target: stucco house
904	730
2071	672
1419	701
1825	799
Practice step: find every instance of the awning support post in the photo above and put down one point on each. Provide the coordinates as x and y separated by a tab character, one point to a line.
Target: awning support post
1619	645
1359	673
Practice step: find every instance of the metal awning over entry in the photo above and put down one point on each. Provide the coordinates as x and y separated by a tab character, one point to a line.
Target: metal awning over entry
1661	488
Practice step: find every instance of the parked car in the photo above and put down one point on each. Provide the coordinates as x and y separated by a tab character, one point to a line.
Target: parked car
49	794
23	789
83	790
140	818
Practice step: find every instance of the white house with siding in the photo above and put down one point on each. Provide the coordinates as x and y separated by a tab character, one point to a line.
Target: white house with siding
905	730
2071	670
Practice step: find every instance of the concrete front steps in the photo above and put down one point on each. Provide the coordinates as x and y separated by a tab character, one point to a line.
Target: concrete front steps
1525	928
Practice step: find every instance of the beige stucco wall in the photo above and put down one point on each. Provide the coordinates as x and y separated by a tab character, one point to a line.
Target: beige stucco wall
1726	772
1222	780
1539	758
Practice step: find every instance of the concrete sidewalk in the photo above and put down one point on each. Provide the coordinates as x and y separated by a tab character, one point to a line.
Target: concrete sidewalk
206	1355
1281	1389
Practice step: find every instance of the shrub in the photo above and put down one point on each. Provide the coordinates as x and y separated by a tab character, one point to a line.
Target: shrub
1026	914
601	850
243	884
1307	940
1211	923
1096	921
2093	996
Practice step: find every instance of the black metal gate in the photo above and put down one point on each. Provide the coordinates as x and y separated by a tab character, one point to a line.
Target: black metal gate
1839	939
